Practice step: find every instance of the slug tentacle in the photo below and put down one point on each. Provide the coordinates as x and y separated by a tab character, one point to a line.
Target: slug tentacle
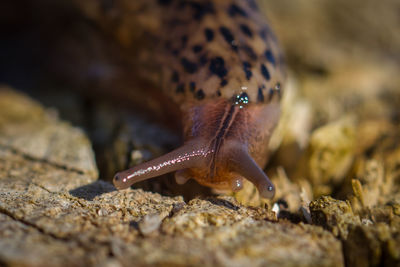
244	165
187	156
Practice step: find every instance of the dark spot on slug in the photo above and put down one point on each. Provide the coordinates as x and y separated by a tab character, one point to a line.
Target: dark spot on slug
246	69
270	57
189	66
234	10
197	48
246	30
264	34
175	77
265	72
209	34
228	36
249	51
224	82
217	66
218	93
201	9
203	60
270	94
180	88
192	86
184	40
200	94
260	95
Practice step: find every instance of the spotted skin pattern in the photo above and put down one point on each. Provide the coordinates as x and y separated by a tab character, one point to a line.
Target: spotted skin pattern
222	66
219	41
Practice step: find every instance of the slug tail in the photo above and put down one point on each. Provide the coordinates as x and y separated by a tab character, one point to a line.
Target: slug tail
187	156
245	166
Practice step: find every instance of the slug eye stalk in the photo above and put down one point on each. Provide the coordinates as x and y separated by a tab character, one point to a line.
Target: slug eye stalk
190	156
187	156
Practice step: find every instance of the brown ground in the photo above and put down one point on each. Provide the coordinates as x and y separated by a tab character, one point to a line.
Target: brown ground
336	162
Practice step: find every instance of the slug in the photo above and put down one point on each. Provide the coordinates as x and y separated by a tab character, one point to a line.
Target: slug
222	66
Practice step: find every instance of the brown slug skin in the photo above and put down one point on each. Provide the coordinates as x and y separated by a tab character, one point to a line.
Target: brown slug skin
222	66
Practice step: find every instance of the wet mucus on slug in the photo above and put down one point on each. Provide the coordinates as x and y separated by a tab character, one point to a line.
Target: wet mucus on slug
223	67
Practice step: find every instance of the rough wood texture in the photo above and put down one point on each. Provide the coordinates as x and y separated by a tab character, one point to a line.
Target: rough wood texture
338	139
53	214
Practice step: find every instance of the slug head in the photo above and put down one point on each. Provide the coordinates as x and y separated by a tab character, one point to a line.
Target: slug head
224	144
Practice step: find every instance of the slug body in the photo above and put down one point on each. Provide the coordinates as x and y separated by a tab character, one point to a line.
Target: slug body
222	66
